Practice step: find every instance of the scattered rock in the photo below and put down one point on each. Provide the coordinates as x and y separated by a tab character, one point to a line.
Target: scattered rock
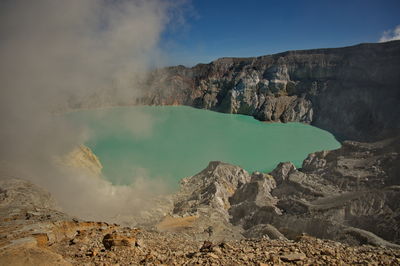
207	247
140	243
212	255
117	240
92	252
289	257
217	250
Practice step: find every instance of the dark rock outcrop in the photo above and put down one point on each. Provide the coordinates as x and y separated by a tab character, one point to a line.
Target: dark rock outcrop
353	92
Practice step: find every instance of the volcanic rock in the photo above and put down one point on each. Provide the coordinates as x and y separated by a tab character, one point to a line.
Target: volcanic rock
118	240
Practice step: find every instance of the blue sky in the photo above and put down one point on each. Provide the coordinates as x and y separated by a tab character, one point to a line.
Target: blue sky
219	28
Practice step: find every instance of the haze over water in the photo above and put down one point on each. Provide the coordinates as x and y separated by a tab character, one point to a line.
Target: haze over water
172	142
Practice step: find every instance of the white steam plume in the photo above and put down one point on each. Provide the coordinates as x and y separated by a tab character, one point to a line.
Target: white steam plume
52	51
391	35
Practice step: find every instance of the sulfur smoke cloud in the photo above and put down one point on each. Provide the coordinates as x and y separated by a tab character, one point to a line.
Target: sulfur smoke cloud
53	52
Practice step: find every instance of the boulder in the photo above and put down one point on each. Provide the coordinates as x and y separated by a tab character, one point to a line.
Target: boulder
118	240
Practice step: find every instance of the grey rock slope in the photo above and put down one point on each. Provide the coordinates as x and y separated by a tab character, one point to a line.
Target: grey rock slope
353	92
351	195
17	192
206	197
21	198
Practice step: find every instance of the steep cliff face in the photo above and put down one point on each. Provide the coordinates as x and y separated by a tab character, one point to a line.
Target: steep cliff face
353	92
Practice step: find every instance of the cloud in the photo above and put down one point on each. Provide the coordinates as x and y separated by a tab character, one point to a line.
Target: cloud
53	52
391	35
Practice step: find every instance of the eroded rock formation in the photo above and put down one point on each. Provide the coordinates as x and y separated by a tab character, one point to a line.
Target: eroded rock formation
351	194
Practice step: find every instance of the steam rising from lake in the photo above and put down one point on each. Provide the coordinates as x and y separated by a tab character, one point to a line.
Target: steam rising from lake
55	52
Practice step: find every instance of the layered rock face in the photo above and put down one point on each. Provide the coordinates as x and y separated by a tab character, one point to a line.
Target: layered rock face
353	92
351	194
338	194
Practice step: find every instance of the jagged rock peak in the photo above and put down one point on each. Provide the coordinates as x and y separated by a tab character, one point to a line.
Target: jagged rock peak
220	171
211	187
282	170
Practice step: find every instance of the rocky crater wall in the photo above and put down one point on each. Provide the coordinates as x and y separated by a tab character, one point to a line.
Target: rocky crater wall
353	92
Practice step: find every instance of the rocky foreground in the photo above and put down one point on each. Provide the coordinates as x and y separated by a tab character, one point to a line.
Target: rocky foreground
224	215
34	234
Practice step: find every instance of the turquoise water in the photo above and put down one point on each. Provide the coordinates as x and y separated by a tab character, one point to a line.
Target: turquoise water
172	142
